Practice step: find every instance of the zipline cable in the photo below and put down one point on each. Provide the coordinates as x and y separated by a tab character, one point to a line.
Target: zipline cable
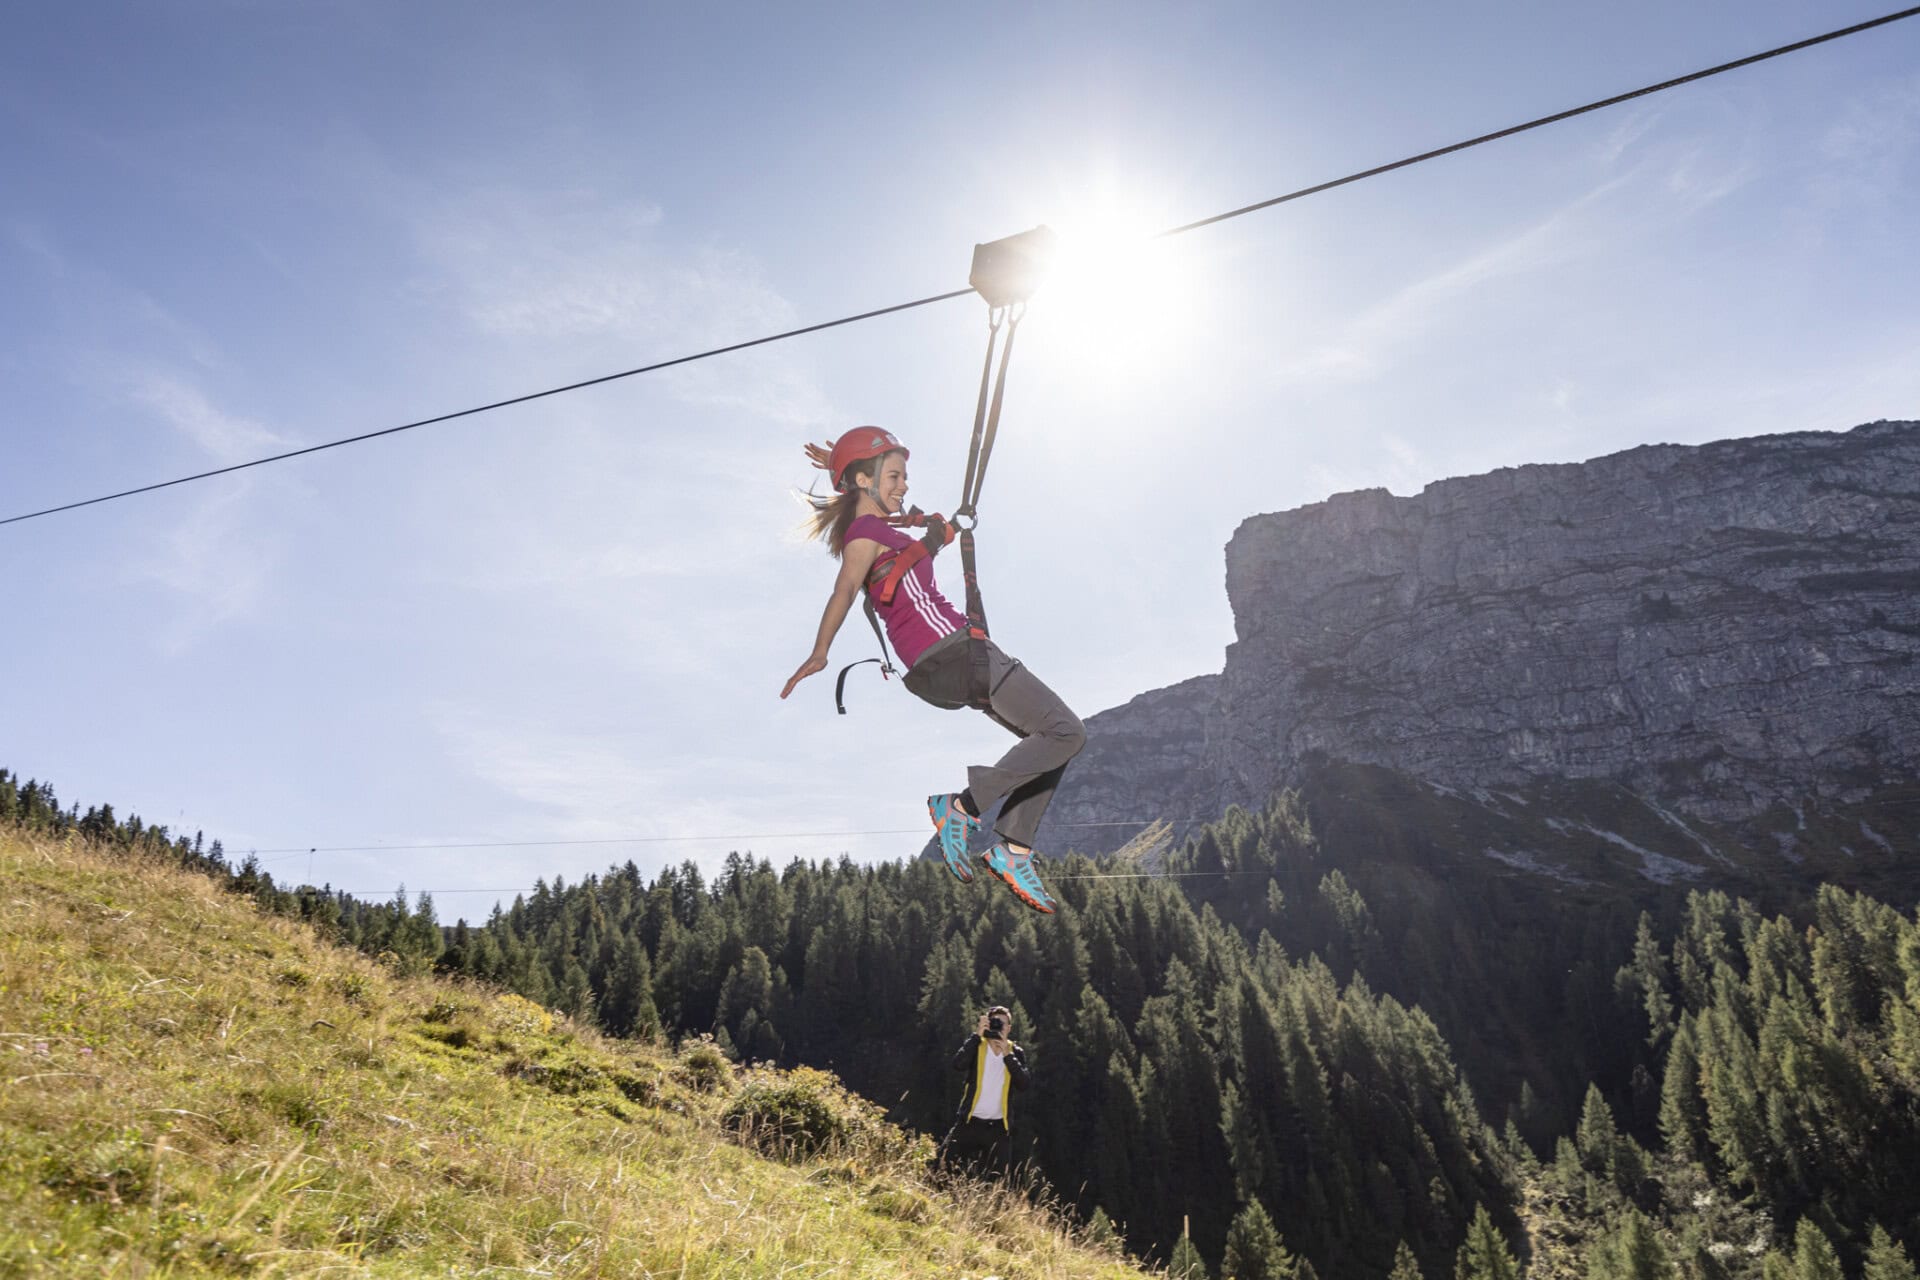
1555	118
1182	229
498	404
1088	875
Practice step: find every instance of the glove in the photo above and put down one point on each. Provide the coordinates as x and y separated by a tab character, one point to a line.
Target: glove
939	533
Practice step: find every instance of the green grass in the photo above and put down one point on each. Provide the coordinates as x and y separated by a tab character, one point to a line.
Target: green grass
190	1088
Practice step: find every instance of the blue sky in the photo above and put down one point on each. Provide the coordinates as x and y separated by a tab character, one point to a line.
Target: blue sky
229	229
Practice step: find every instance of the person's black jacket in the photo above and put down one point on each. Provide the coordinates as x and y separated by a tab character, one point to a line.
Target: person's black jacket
971	1061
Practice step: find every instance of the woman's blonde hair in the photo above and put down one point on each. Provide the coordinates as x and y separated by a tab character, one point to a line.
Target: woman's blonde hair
832	515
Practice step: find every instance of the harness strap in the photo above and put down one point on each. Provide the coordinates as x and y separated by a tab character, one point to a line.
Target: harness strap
985	442
986	428
968	488
885	659
884	578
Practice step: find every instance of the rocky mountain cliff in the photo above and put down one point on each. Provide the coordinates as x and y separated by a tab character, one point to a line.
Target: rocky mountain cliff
1725	631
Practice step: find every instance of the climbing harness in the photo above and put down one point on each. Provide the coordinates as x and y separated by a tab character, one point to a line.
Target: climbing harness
1005	273
883	580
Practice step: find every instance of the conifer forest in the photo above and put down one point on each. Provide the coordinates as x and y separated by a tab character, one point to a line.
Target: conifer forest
1271	1057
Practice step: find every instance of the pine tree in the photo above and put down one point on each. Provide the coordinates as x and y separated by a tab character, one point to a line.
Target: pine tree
1629	1167
575	991
626	1007
424	939
1484	1255
1813	1255
746	990
1631	1251
1186	1262
1647	973
1886	1260
1536	1125
1255	1250
1100	1231
1114	1137
1683	1121
1405	1265
1597	1135
946	990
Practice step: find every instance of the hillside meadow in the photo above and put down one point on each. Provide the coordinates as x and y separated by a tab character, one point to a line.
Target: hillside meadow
190	1087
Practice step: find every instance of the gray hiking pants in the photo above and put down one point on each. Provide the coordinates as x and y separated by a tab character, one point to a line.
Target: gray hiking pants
1023	781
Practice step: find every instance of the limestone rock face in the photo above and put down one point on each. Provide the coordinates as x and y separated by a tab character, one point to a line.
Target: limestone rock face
1143	761
1723	629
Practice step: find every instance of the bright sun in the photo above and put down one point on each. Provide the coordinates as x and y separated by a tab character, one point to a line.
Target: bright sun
1116	299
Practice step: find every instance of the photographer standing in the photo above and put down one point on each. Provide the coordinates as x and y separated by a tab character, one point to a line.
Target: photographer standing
981	1140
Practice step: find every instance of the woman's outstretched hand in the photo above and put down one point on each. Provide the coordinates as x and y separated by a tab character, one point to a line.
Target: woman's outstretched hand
812	666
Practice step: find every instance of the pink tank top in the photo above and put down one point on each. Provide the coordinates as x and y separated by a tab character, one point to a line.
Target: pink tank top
919	614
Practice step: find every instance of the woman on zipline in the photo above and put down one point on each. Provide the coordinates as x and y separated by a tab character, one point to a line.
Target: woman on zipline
868	467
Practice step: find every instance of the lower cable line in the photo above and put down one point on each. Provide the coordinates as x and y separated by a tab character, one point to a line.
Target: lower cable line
1089	875
303	850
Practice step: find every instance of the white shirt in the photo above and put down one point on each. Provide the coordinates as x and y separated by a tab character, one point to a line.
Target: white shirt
993	1083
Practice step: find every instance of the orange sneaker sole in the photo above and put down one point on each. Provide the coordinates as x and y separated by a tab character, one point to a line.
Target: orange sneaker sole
1018	891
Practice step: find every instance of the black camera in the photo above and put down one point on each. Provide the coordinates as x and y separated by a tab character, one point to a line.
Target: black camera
997	1027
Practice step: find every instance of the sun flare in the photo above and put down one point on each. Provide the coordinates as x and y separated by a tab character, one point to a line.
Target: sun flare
1116	298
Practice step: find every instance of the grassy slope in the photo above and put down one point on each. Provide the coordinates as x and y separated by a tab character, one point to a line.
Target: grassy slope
188	1087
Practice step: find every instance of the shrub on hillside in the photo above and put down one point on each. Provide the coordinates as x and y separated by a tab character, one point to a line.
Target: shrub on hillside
805	1112
704	1067
784	1113
518	1015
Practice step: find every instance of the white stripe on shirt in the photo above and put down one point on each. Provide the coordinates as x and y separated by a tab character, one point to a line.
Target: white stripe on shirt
924	606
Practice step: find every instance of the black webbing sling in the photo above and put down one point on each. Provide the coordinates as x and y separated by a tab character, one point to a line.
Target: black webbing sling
986	426
887	669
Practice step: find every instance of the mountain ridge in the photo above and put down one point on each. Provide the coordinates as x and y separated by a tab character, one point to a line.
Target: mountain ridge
1728	631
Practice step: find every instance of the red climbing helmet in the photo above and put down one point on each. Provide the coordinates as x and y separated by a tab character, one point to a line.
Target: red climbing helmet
858	445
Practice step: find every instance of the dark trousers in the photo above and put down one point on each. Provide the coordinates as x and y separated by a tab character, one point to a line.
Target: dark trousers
1050	734
979	1147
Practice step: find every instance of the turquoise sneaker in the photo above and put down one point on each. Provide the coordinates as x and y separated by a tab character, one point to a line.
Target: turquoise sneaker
954	825
1018	871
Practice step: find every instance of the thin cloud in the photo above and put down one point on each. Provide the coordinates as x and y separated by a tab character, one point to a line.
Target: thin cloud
582	786
1371	338
578	279
216	561
224	436
105	313
1866	152
1669	184
563	266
